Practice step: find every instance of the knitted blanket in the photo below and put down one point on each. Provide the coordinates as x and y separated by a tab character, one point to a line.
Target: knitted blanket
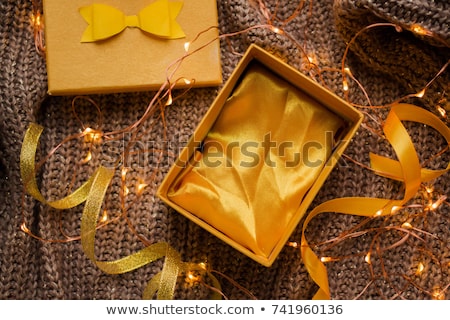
388	62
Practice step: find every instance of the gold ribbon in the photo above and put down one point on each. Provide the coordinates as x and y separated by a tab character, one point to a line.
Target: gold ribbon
407	169
27	171
158	18
92	192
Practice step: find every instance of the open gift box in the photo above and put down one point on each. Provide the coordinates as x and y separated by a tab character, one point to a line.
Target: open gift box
260	155
107	46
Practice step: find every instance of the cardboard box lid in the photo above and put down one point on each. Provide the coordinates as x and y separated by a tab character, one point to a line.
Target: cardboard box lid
131	60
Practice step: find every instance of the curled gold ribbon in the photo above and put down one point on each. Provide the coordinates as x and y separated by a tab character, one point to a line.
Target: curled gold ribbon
391	168
92	192
407	169
28	174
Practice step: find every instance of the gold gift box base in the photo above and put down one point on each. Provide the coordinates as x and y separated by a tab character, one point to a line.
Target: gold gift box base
226	196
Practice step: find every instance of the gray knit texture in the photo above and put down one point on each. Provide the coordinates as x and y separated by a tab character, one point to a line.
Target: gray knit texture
390	64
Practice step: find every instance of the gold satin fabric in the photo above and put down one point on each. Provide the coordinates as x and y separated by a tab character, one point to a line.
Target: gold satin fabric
259	159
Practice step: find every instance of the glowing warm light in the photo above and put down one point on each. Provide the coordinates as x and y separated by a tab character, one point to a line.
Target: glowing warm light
169	100
348	71
24	228
438	294
91	135
187	81
429	189
367	258
104	217
420	268
293	244
420	94
36	19
87	158
126	191
140	187
438	203
345	85
442	112
202	265
276	30
434	206
406	225
326	259
192	278
379	213
124	173
186	46
395	209
419	30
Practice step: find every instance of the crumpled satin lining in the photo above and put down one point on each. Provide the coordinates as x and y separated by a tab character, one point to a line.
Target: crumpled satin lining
250	201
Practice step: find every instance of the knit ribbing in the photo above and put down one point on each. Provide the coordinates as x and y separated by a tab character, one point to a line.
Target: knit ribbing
31	269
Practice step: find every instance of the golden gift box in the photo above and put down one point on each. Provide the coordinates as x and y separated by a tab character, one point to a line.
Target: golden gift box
134	57
260	155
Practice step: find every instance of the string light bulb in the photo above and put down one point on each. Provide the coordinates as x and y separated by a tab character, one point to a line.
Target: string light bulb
87	158
417	29
36	19
192	278
420	94
126	191
92	136
276	30
406	225
442	112
429	189
24	228
169	99
124	173
420	268
367	258
312	59
104	216
140	187
203	265
345	85
327	259
293	244
186	46
395	209
433	206
348	71
438	294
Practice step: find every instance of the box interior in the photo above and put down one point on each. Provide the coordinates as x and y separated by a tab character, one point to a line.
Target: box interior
246	174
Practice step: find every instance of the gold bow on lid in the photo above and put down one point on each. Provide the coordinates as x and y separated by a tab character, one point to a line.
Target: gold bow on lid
158	18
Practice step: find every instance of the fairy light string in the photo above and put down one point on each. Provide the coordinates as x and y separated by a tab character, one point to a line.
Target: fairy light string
93	191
